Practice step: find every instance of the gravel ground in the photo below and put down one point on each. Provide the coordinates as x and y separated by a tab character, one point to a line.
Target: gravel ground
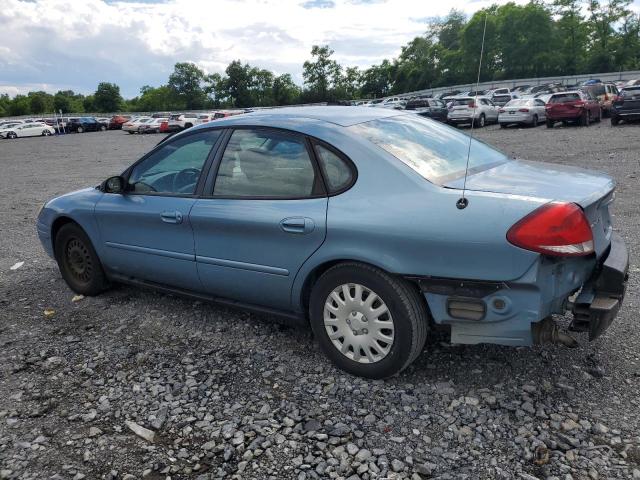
222	393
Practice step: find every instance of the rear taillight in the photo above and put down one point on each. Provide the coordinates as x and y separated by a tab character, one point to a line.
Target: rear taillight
579	104
555	229
523	109
472	105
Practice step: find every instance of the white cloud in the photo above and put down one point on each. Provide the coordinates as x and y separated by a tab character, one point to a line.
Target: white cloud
78	44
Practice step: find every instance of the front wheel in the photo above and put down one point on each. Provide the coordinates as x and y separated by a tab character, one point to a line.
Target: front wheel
46	133
103	128
550	123
614	120
80	130
368	322
78	262
535	121
481	120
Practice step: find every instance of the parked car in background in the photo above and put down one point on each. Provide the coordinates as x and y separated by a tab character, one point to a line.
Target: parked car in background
132	126
521	89
604	93
501	99
116	122
104	121
161	115
84	124
428	107
546	89
477	111
204	118
274	227
522	111
152	125
181	121
10	123
626	106
632	83
31	129
390	102
576	106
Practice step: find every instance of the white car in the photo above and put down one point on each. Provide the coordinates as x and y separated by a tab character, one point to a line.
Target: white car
151	126
522	111
27	130
133	126
204	118
391	102
10	122
466	110
180	121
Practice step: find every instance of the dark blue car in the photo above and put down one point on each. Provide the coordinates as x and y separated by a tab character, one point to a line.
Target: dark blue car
348	219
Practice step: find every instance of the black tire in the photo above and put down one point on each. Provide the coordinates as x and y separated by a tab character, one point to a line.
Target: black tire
79	130
12	135
130	132
550	123
188	125
503	125
406	306
614	120
46	133
585	119
78	262
103	128
535	122
481	121
599	118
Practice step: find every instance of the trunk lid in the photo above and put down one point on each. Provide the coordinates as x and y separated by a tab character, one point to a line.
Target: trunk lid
593	191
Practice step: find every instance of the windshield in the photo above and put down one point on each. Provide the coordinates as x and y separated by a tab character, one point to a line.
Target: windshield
435	151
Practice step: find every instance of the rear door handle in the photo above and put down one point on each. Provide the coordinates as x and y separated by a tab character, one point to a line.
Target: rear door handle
300	225
171	216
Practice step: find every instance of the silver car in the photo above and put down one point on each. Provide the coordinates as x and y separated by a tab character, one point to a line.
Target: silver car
476	110
522	111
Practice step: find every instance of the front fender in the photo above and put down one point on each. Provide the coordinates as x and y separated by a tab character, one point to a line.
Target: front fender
77	206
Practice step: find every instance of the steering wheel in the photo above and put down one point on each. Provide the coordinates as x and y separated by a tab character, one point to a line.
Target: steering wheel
184	178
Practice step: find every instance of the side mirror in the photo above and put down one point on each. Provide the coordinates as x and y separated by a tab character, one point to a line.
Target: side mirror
113	185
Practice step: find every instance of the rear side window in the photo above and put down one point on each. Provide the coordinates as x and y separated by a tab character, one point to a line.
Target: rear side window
336	170
261	163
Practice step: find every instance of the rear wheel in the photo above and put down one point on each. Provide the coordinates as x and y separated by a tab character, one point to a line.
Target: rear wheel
368	322
78	262
534	122
503	125
46	133
585	119
103	128
614	120
481	121
80	130
188	125
550	123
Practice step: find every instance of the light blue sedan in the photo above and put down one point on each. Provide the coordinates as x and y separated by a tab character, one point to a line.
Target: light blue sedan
353	221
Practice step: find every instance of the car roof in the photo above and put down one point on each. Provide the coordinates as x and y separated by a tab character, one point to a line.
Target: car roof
339	115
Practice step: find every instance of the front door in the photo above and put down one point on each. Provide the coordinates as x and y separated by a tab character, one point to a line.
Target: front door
146	232
265	216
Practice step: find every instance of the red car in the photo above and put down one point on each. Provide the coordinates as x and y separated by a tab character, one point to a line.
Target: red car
575	106
164	127
117	121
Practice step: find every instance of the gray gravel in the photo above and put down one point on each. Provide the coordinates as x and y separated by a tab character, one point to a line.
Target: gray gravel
136	384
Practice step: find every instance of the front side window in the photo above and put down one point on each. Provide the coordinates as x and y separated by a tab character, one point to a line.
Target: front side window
437	152
175	167
261	163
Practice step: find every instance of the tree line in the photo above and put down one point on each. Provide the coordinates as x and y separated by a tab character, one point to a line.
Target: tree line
537	39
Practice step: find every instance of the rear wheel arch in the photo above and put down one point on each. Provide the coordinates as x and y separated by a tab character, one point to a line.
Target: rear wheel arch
313	276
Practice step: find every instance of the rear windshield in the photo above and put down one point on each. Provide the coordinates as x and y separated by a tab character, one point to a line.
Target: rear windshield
517	102
413	104
435	151
628	92
565	97
462	101
174	117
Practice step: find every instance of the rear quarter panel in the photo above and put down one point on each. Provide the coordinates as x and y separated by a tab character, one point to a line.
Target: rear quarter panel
394	219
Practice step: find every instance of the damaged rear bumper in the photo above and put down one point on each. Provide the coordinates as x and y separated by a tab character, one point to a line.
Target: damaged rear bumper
601	297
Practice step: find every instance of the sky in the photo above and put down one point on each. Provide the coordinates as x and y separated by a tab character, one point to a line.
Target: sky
56	45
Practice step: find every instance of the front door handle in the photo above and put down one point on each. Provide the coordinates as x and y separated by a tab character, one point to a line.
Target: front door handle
297	225
171	216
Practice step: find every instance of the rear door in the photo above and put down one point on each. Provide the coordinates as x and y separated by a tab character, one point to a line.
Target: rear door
265	215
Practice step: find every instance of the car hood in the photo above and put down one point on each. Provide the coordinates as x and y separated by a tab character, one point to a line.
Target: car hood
541	180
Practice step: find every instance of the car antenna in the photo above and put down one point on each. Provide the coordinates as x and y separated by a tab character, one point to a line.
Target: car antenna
464	201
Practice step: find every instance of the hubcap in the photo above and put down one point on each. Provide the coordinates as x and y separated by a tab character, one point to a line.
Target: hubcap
79	260
358	323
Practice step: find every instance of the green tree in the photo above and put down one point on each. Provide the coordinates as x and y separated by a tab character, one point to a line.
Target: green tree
20	105
377	80
107	97
187	84
320	74
285	91
40	102
603	16
571	36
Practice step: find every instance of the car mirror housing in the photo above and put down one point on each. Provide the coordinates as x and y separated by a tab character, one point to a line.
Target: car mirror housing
113	185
